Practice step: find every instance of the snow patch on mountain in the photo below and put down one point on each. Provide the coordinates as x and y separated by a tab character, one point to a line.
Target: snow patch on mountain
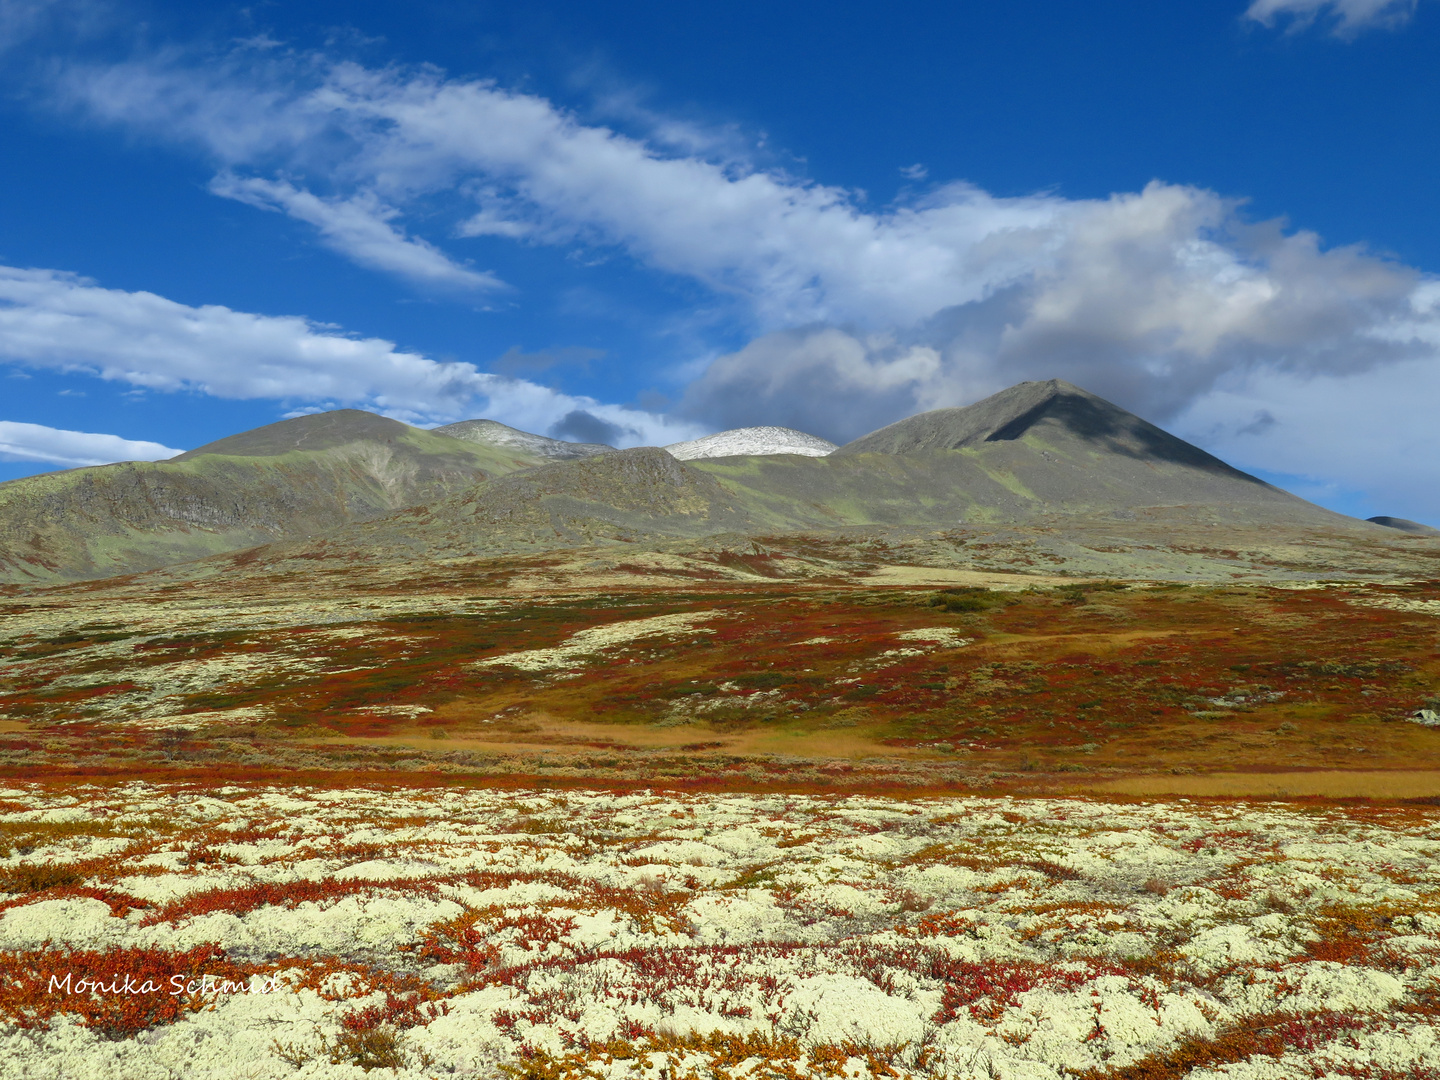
752	440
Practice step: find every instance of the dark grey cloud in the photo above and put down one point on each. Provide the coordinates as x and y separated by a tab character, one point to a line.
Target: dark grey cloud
581	426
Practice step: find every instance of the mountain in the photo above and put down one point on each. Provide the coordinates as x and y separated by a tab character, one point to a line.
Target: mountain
1054	413
316	432
493	433
1405	525
641	493
1036	450
751	441
353	486
294	478
1040	453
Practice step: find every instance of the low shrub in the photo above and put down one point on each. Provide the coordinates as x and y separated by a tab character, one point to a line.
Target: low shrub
115	992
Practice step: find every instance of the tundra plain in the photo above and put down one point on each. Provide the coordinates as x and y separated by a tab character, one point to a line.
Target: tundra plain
723	816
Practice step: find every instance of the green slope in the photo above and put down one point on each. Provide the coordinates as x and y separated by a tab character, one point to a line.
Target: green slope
1018	480
608	498
494	433
293	479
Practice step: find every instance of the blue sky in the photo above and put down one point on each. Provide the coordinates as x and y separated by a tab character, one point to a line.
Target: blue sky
640	222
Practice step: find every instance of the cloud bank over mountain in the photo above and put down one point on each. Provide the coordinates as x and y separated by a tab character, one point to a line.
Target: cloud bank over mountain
55	320
1152	299
71	449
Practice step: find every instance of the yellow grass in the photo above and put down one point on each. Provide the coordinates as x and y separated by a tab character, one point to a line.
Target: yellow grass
1377	784
539	733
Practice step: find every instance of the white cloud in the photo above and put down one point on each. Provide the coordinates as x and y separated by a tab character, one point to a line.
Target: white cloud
36	442
824	380
515	165
1349	16
1370	431
1149	299
1373	433
358	226
1172	267
50	319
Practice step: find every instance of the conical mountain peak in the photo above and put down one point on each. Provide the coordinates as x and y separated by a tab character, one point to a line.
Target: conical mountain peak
1054	413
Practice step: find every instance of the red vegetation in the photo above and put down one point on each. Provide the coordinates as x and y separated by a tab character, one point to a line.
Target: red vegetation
457	941
399	1011
1272	1034
244	898
116	992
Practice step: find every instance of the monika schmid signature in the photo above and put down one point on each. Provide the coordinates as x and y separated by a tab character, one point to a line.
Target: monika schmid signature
189	985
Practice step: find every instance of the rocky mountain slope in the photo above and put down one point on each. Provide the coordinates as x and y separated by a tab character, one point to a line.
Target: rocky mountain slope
503	436
292	479
612	498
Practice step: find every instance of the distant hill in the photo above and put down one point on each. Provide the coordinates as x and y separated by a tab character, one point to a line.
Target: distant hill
747	442
1405	525
294	478
318	431
494	433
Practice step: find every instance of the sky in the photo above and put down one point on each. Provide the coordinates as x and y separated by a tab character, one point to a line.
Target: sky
638	222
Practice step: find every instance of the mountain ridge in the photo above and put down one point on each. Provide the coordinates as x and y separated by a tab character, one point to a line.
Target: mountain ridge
1042	474
1051	406
370	488
301	476
494	433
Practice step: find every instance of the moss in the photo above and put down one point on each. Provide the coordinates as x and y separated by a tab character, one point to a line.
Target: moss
33	878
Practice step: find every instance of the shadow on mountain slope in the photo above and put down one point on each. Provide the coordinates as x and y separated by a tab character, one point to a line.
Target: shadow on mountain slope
1055	413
